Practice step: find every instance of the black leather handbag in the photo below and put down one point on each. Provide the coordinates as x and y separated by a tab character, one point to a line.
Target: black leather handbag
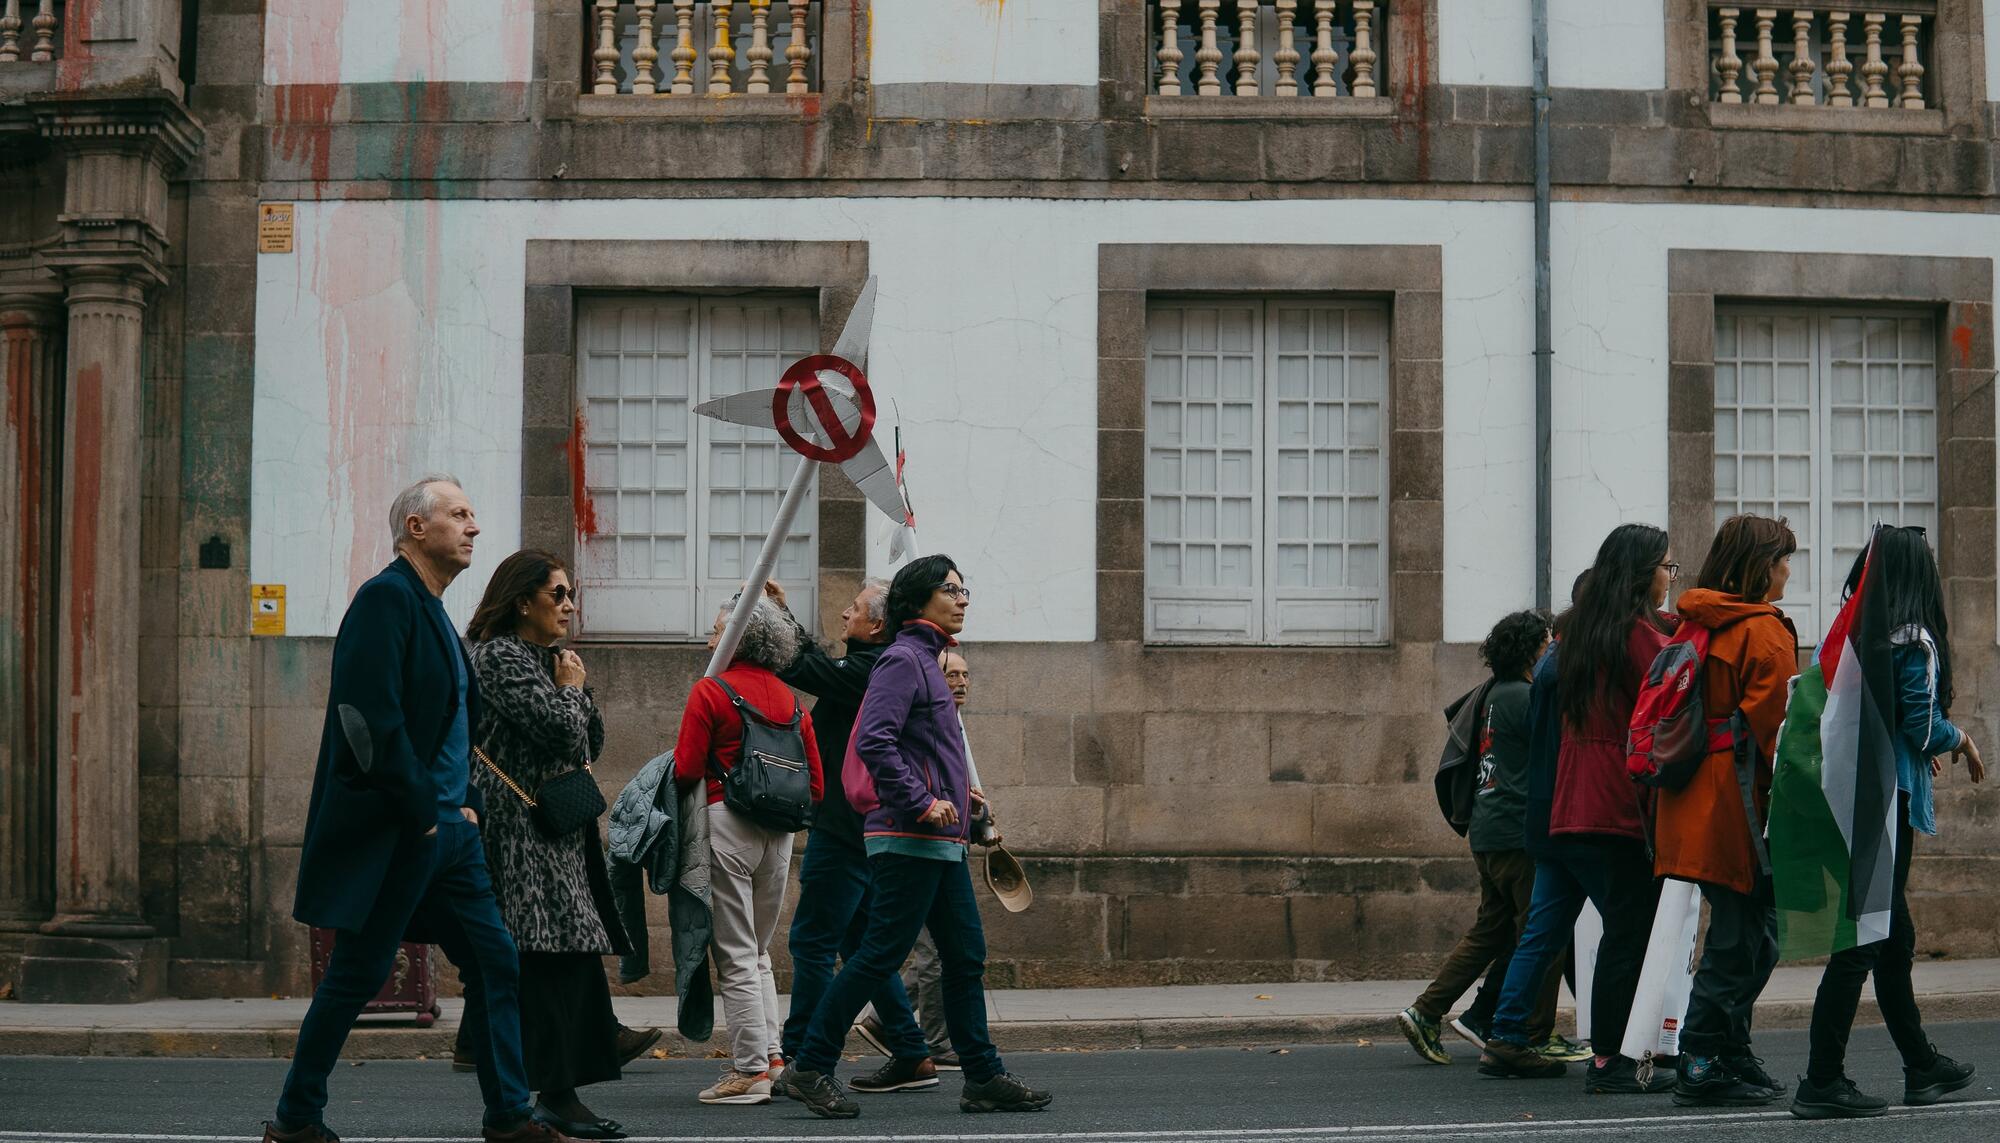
560	806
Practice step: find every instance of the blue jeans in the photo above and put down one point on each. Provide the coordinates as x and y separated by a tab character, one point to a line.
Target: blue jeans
831	916
1615	875
910	895
445	877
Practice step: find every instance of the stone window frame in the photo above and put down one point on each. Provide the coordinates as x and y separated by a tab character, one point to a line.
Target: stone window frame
1957	60
1125	39
564	35
1411	277
1958	290
558	270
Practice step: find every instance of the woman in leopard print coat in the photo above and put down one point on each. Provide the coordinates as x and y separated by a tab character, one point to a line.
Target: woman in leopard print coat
538	720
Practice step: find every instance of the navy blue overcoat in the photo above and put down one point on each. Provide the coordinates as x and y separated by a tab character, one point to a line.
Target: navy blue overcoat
391	703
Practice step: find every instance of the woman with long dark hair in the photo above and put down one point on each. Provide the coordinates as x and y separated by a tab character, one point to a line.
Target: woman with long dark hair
1705	832
1903	580
539	720
1595	848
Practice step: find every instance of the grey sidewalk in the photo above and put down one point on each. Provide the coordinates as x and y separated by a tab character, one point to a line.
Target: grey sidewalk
1092	1019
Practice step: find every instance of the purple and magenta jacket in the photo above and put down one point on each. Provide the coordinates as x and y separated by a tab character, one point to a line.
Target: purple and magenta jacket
907	735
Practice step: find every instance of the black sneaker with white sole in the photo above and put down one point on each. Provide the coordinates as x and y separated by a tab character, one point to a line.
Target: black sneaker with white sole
1004	1092
898	1075
820	1093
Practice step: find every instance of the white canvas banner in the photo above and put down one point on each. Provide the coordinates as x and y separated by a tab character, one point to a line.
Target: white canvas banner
1587	933
1666	978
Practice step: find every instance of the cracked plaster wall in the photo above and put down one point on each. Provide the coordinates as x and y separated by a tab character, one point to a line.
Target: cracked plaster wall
984	41
1592	43
398	41
390	343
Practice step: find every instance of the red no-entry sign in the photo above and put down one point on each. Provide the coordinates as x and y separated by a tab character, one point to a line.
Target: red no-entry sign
804	376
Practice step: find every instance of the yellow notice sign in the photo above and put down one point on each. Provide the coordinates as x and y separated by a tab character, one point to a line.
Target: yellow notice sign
274	234
267	609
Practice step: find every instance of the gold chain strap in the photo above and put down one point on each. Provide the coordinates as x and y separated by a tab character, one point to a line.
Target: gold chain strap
502	775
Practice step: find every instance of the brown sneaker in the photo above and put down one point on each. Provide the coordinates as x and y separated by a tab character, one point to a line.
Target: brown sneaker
738	1088
1517	1061
310	1133
530	1131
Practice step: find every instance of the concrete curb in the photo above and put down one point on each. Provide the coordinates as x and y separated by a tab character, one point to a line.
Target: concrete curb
379	1042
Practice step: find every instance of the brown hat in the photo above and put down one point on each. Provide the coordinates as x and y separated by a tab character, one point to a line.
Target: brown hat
1008	880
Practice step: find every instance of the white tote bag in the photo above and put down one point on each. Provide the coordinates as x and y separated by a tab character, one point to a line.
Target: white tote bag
1666	979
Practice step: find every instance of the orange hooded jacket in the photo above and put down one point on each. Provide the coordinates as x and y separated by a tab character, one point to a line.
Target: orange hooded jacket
1699	832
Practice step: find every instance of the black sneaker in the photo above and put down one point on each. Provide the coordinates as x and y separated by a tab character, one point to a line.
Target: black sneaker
1472	1029
1004	1092
1616	1075
898	1075
1517	1061
1750	1069
1837	1100
1928	1085
1705	1081
820	1093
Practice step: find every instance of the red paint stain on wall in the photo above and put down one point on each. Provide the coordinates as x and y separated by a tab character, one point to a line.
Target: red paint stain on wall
86	465
74	69
1415	86
1961	340
579	494
26	427
303	118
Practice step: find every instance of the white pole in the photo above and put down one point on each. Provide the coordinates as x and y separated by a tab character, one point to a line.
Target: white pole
753	589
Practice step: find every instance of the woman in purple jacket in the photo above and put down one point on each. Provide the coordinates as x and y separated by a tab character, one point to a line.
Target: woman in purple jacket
907	736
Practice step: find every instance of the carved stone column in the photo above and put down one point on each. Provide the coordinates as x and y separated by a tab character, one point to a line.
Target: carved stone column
118	152
30	418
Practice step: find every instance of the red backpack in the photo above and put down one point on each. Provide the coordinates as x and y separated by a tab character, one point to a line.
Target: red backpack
1671	733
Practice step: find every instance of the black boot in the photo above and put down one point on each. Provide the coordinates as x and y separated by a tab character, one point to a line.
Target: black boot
1837	1100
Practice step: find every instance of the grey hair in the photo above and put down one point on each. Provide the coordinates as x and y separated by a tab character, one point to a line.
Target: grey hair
878	603
416	500
769	639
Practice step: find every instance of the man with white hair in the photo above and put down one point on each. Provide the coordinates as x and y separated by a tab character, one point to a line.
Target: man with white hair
391	849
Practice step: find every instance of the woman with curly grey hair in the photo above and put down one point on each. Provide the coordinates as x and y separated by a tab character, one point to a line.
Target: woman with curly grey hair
749	862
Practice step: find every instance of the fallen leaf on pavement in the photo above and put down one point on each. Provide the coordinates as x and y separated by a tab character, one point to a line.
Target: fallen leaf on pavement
1281	1051
1364	1043
1263	996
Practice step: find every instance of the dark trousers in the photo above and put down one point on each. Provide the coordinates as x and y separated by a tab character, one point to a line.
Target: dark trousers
444	875
1615	875
1506	888
909	895
1737	956
1889	960
831	916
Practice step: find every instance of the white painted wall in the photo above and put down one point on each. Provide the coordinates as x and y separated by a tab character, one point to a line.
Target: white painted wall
381	41
1592	43
984	41
391	342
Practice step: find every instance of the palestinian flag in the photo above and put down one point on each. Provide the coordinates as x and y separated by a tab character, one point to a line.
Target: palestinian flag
1833	793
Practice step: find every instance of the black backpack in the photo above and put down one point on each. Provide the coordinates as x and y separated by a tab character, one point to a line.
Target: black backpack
771	783
1458	763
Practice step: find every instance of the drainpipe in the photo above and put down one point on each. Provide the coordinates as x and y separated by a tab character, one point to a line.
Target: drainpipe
1544	334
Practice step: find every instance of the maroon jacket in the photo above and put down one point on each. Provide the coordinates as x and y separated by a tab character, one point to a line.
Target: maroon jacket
1594	793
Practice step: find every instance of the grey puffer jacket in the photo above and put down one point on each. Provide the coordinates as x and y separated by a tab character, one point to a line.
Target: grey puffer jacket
660	841
555	895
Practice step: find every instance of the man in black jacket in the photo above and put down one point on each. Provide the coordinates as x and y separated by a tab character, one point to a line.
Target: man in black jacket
391	848
832	911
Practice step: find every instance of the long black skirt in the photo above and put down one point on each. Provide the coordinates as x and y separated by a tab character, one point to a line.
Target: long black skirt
569	1035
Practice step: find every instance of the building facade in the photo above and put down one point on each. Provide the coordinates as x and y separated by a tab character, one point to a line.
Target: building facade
1208	328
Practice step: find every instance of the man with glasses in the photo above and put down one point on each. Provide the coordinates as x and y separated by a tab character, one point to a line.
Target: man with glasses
908	738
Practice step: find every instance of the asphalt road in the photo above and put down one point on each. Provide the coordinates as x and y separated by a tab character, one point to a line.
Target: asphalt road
1377	1092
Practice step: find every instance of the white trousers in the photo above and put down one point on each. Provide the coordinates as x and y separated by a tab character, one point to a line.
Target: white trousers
747	887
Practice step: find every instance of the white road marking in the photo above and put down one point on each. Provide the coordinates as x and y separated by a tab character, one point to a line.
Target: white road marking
1378	1133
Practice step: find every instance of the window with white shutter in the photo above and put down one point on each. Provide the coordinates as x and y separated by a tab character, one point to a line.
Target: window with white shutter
1827	417
682	503
1265	504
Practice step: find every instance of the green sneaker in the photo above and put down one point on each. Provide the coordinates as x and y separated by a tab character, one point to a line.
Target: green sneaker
1561	1047
1422	1032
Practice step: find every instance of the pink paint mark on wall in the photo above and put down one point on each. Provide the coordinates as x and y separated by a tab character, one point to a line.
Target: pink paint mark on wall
1961	340
305	54
518	37
579	492
74	69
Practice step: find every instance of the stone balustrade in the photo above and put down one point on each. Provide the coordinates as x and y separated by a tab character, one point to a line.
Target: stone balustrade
30	30
704	47
1321	48
1850	55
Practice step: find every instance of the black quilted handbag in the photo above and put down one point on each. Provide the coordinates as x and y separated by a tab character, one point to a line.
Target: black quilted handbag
560	806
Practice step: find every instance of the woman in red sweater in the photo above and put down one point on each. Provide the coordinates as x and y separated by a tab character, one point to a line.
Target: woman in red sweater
749	863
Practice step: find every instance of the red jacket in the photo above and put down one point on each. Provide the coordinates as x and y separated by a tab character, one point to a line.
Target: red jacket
711	737
1594	794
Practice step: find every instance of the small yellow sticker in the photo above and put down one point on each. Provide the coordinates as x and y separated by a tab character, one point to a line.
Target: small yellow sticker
274	228
267	609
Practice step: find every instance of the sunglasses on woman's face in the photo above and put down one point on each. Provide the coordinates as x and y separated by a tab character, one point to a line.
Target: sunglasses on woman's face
561	593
